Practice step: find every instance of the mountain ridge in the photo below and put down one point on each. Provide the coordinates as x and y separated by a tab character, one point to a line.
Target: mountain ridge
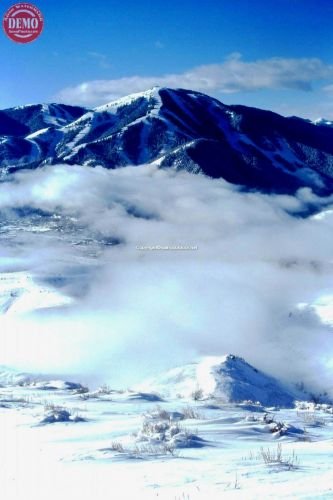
174	128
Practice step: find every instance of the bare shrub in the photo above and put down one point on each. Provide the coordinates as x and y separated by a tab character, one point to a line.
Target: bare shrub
161	413
197	394
276	457
81	390
10	398
235	484
144	449
49	406
117	446
190	413
105	389
274	426
310	418
272	456
154	451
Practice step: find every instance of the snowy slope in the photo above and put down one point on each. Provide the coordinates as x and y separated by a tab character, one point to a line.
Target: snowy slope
102	444
323	122
228	378
20	294
176	128
34	117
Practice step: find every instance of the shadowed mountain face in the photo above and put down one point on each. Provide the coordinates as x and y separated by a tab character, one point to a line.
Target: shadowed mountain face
25	120
179	129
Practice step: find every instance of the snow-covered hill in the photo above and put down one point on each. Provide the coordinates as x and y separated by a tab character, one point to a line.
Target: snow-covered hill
228	378
178	128
19	293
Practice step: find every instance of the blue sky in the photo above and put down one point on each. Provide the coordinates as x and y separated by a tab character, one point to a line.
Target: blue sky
275	54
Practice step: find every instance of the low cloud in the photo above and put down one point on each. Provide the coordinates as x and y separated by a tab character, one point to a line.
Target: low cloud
137	312
231	76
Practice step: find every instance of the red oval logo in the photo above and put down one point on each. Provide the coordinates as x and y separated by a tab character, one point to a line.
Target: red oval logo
23	22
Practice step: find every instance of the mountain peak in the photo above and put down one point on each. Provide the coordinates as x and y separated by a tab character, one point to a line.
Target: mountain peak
174	128
152	93
323	122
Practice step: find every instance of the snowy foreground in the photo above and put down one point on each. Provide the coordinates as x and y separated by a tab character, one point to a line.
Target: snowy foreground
81	299
62	440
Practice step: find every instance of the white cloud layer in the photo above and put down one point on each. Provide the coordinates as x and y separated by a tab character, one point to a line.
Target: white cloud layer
232	75
137	312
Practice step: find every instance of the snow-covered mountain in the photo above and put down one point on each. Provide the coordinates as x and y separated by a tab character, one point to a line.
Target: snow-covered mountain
178	128
228	378
23	120
323	122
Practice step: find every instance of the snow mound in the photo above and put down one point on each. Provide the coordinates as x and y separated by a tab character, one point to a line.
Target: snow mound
54	385
60	415
228	378
9	377
170	434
